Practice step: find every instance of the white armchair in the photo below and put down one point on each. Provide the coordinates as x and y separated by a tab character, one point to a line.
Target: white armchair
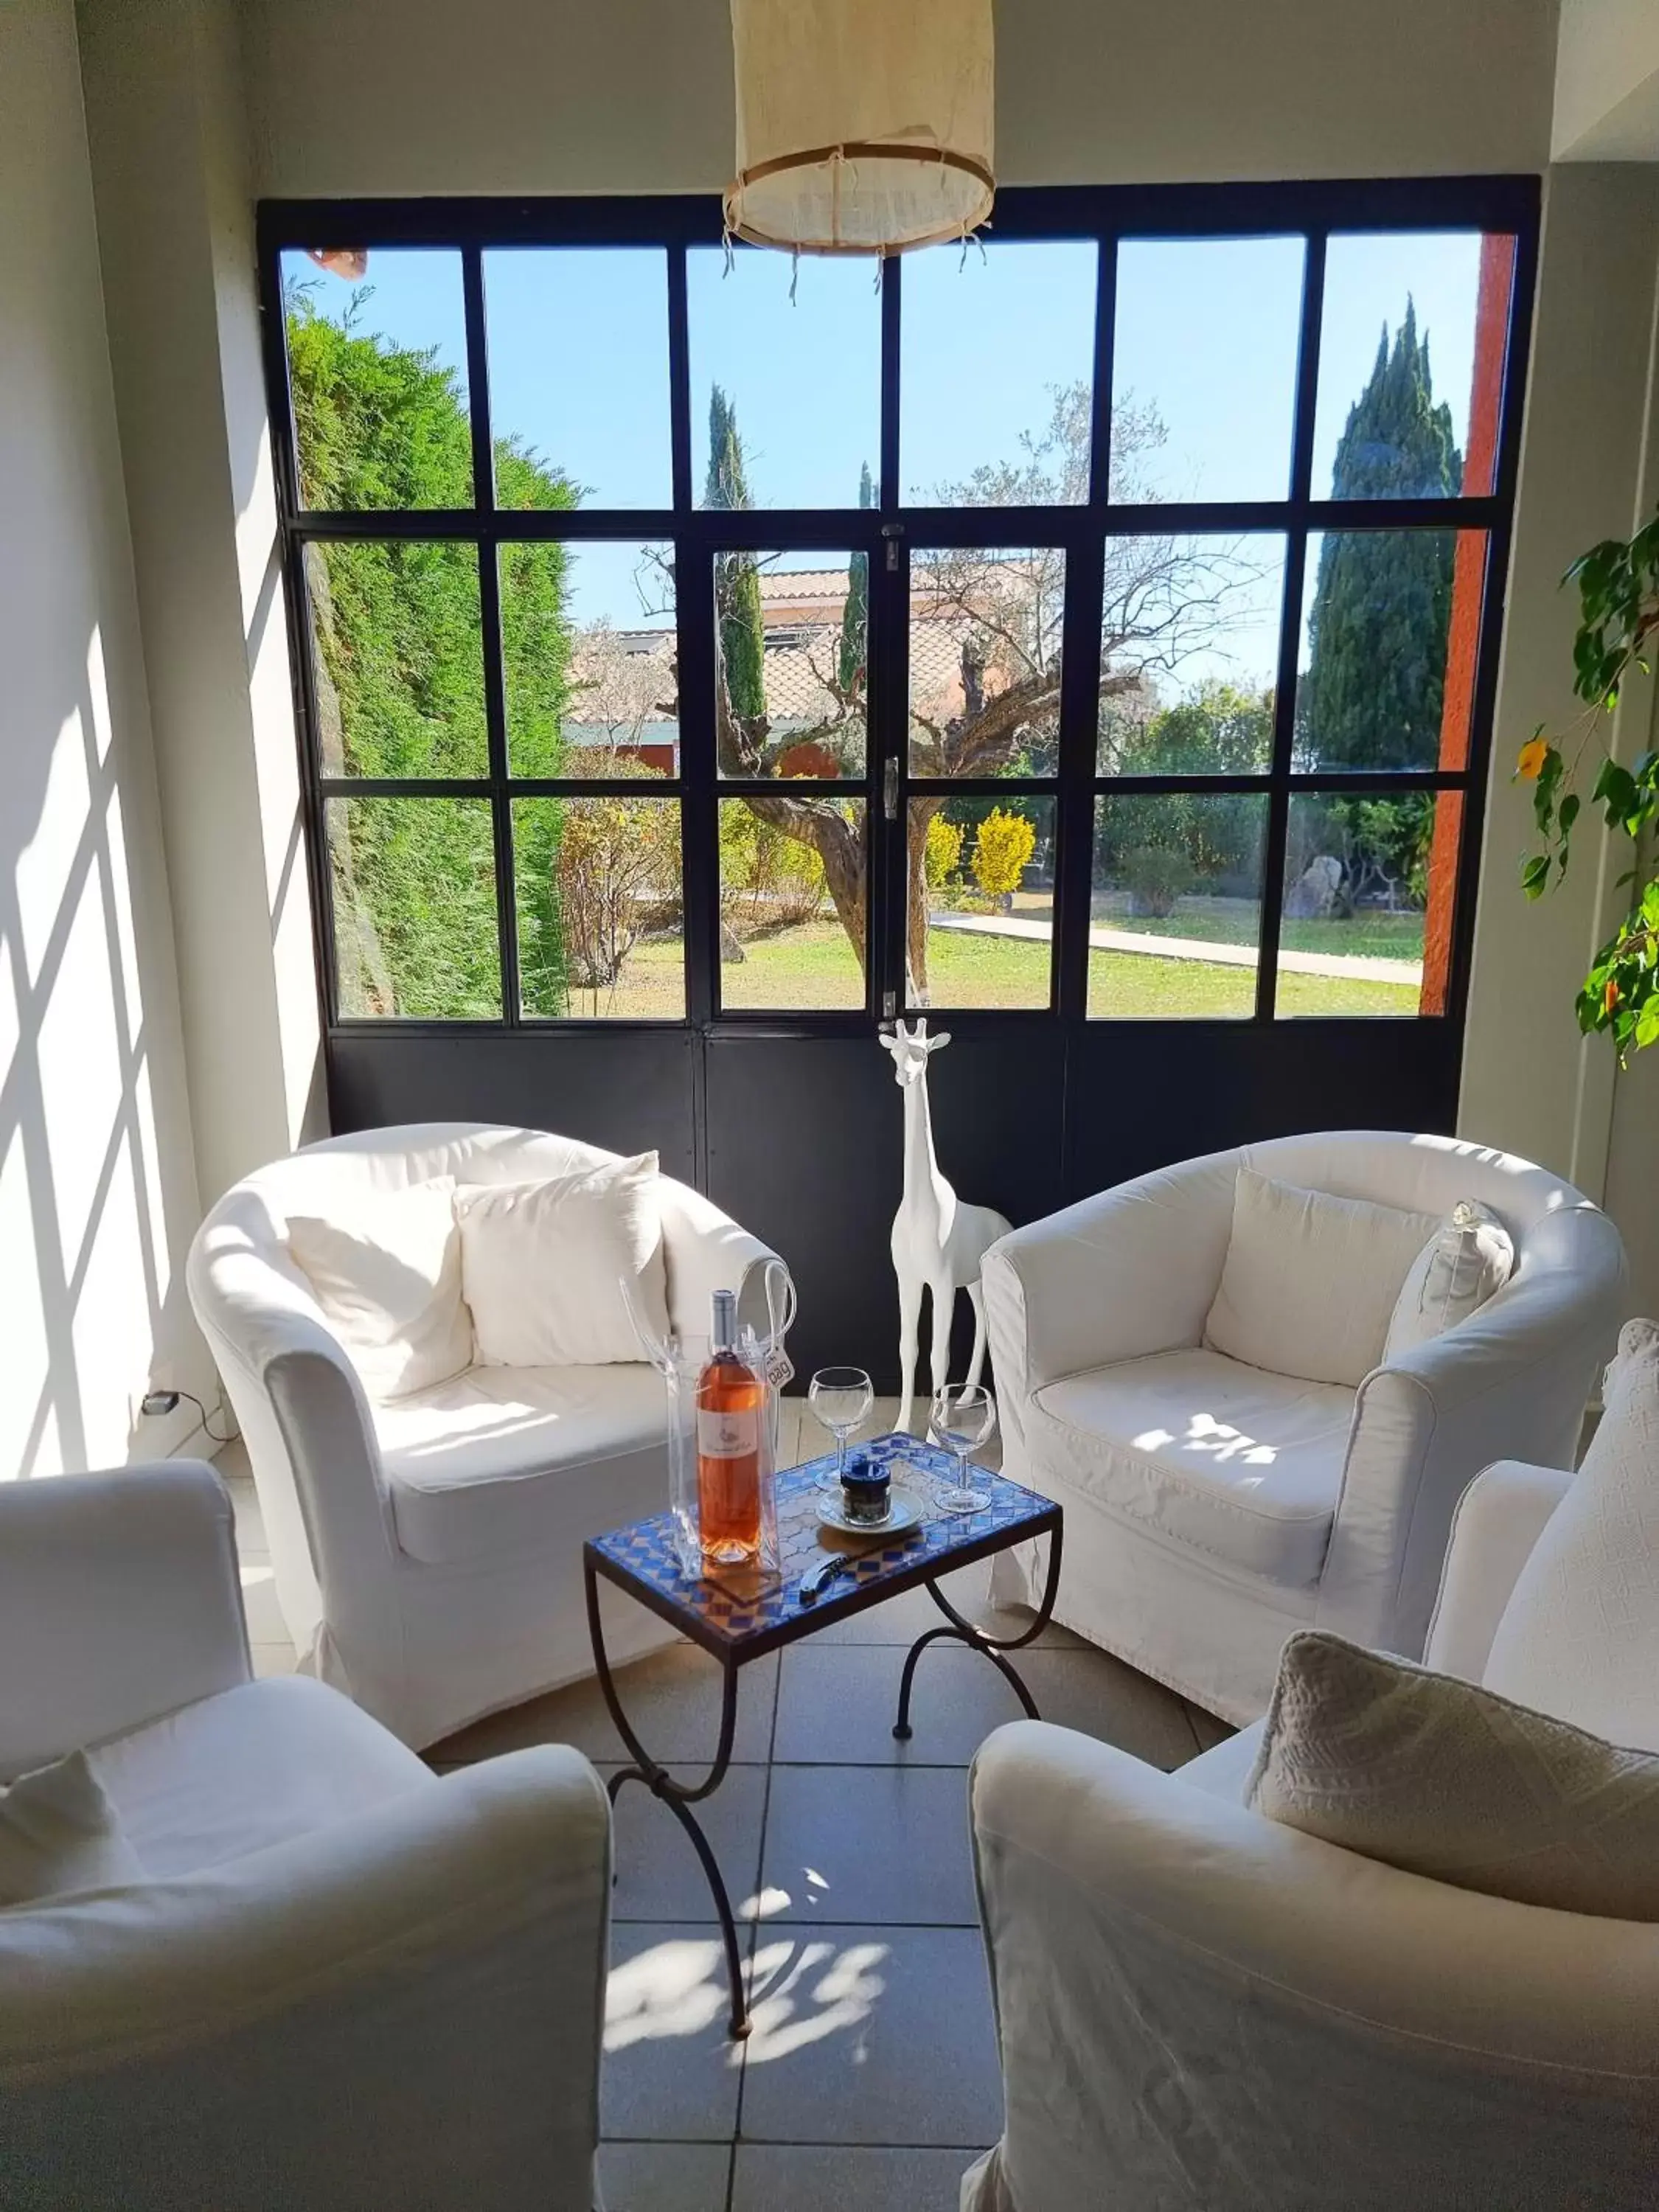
427	1551
341	1980
1200	2009
1212	1508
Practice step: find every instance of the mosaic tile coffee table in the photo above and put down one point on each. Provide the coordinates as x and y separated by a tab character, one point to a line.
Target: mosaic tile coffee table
737	1628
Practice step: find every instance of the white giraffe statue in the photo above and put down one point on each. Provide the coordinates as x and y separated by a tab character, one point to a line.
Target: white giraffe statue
938	1242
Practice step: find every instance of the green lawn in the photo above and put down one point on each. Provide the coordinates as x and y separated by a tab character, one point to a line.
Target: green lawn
811	968
1234	922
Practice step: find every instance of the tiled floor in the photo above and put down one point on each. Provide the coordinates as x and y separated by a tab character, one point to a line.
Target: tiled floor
870	2080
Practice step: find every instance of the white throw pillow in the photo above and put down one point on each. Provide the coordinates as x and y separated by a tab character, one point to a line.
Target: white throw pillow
386	1268
1310	1282
1470	1256
59	1833
1579	1637
543	1265
1444	1778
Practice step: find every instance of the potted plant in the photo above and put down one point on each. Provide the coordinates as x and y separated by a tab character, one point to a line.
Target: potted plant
1617	584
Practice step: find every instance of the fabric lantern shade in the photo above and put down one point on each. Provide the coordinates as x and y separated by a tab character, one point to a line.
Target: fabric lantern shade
864	127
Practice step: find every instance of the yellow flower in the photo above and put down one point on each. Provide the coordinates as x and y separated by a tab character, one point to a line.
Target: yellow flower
1534	754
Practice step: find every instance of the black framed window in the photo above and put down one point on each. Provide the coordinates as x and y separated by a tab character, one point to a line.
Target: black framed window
1097	625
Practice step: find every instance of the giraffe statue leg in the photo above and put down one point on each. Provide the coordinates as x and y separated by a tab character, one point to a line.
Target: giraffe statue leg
910	1328
944	1298
976	1299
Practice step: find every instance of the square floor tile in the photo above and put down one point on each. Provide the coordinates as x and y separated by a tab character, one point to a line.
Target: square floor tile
887	1843
659	1874
259	1607
672	1701
670	2070
870	2035
841	2177
1209	1729
648	2177
901	1619
837	1703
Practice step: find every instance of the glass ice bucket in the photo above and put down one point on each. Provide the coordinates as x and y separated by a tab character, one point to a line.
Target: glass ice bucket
680	1360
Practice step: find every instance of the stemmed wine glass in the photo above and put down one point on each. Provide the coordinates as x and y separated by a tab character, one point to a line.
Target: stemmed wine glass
961	1419
841	1399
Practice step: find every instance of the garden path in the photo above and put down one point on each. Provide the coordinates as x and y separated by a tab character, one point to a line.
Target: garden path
1356	966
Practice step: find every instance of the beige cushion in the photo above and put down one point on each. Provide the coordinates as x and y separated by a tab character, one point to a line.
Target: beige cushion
1243	1466
58	1833
512	1463
1469	1257
1441	1778
254	1766
386	1268
544	1266
1579	1637
1310	1282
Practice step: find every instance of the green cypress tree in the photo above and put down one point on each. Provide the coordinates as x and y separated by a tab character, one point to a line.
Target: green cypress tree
737	579
1371	697
856	615
399	677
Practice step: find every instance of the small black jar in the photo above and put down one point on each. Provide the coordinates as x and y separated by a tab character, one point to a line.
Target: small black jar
866	1492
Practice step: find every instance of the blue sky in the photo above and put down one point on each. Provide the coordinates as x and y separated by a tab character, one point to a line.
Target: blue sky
1206	334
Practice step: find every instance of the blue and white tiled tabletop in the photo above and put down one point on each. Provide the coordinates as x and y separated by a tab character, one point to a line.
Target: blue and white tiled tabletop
738	1621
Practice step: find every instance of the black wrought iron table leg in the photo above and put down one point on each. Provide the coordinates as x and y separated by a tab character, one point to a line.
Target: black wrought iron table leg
960	1631
676	1796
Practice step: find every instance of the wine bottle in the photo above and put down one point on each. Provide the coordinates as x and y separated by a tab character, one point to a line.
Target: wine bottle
730	1405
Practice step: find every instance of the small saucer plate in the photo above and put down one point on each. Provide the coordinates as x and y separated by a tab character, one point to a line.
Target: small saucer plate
904	1511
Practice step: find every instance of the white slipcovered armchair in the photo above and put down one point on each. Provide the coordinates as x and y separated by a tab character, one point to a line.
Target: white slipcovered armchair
333	1980
1201	2011
1212	1508
426	1550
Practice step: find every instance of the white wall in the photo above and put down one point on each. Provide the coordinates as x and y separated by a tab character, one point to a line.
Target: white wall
175	223
1606	82
1530	1082
398	96
97	1185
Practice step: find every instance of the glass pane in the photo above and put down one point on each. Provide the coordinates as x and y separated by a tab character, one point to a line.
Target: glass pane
791	649
398	655
377	363
1188	648
1196	415
996	377
590	659
1370	883
785	394
795	904
601	914
985	634
579	375
1411	364
415	922
981	927
1176	906
1389	638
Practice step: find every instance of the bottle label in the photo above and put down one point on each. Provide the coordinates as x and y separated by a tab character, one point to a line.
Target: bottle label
731	1435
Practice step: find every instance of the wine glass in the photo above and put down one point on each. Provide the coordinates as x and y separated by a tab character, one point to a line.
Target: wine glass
841	1399
960	1419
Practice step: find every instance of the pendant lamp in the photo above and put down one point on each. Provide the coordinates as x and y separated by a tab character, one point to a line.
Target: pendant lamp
864	127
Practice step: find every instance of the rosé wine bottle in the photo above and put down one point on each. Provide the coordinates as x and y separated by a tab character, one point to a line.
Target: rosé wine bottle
730	1407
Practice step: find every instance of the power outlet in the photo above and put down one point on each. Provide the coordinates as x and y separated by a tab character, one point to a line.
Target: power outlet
157	1403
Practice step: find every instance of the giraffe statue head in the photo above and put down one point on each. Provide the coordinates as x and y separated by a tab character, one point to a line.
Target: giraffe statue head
910	1050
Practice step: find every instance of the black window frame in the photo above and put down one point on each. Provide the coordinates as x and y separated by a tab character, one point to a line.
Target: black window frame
1508	205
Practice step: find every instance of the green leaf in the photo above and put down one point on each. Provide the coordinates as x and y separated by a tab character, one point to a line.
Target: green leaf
1535	874
1568	812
